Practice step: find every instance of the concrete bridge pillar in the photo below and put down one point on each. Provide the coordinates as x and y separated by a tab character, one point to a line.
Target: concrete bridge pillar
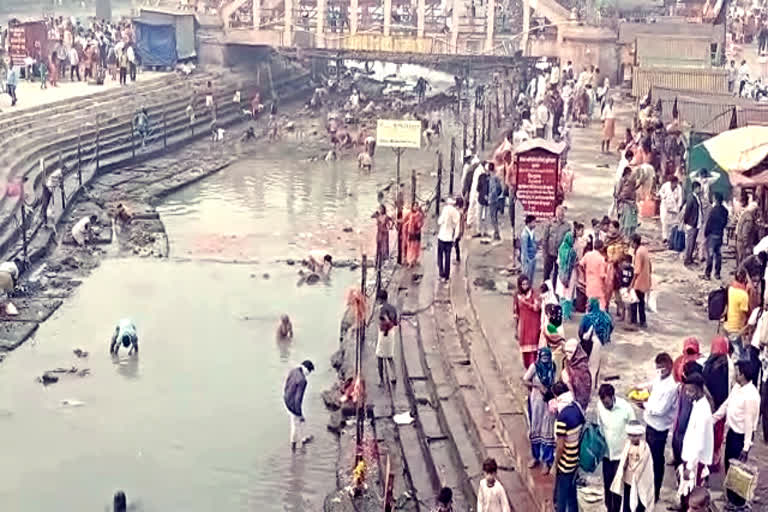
526	26
288	20
387	16
322	7
256	14
458	12
421	12
353	16
490	18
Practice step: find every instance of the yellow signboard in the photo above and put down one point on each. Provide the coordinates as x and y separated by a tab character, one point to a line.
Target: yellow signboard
393	133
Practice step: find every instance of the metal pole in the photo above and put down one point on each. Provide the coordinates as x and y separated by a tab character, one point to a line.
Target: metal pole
464	140
133	141
63	178
498	110
439	182
165	131
489	124
23	221
79	161
482	133
358	367
413	187
474	128
399	204
98	136
453	165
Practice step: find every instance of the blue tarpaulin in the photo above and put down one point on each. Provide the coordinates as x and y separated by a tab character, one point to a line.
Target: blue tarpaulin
156	43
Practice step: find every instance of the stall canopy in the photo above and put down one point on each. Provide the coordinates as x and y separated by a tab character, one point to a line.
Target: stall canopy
156	43
739	150
183	24
699	158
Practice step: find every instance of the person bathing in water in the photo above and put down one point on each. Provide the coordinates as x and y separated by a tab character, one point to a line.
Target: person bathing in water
320	263
285	328
125	335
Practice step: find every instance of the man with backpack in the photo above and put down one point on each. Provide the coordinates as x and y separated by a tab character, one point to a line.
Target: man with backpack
568	426
385	345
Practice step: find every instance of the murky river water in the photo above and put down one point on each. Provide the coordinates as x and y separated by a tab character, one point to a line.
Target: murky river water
197	422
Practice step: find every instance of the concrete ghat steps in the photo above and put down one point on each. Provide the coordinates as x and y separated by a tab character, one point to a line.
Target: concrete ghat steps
116	154
446	439
504	396
31	145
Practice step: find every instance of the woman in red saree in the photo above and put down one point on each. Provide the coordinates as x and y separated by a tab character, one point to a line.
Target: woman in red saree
412	226
527	311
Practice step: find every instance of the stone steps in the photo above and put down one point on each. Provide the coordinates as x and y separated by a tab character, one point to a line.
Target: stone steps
498	380
117	151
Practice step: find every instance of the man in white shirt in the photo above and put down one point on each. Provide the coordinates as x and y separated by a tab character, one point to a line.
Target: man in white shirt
671	194
542	119
613	415
81	232
699	439
743	76
741	410
660	414
448	224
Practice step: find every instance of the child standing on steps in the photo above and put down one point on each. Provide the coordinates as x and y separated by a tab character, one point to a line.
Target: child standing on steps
491	496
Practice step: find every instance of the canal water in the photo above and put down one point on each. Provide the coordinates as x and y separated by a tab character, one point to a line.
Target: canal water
196	422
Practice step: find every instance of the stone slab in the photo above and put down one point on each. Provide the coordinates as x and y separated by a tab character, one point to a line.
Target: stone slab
13	334
446	470
417	465
33	310
429	422
411	350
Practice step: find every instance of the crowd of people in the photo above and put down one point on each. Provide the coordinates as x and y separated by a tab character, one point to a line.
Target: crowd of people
73	51
708	405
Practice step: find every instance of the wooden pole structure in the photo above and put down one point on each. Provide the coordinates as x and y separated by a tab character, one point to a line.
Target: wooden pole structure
79	159
439	182
489	124
464	140
63	178
482	133
98	136
133	139
453	165
23	221
359	342
498	110
399	205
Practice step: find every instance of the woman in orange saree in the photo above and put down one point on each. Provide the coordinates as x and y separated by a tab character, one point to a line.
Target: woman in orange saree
412	226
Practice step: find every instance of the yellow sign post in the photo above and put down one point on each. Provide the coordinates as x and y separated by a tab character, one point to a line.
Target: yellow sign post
398	135
392	133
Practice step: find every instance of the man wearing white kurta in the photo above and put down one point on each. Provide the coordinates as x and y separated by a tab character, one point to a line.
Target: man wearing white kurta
671	194
699	440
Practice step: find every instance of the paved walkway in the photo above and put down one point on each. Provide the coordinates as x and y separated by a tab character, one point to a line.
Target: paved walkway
29	94
629	358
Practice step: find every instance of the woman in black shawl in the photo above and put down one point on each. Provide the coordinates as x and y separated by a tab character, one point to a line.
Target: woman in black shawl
716	382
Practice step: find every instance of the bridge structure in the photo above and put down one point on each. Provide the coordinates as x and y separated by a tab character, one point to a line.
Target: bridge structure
417	31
